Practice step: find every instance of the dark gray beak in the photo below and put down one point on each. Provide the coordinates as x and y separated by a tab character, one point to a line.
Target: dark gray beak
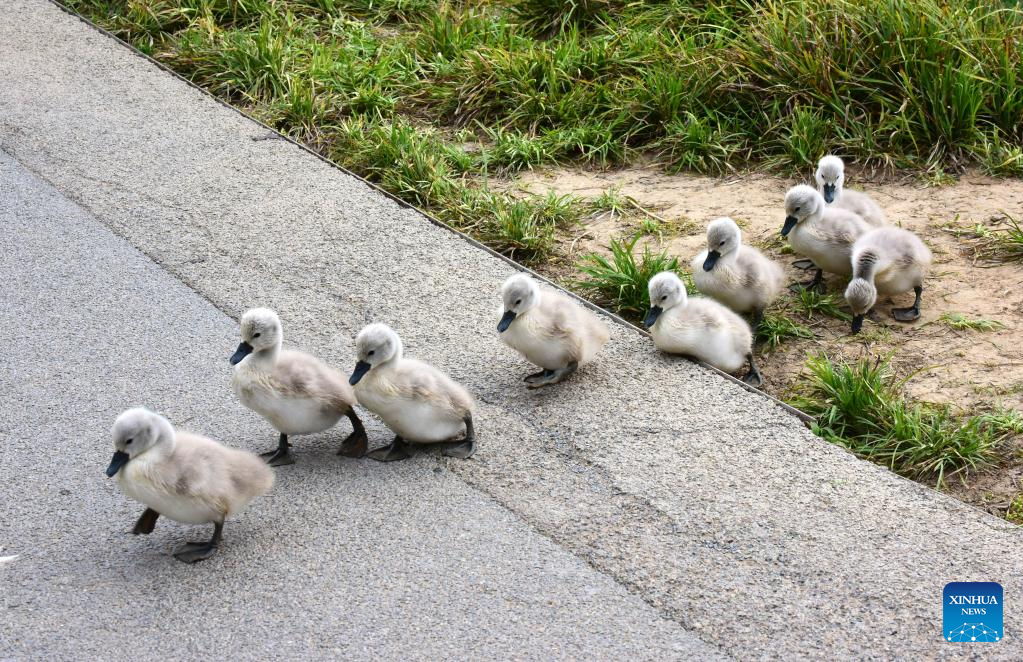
506	320
712	259
829	193
244	349
361	368
652	315
119	460
790	222
857	323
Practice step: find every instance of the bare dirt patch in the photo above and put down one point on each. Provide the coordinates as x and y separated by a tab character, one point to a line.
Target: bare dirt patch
971	370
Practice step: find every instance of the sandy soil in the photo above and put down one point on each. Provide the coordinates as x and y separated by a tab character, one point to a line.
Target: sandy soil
969	369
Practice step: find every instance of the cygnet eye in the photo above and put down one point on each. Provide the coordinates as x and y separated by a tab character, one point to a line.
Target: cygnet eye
664	297
722	243
128	442
371	352
518	301
256	335
796	209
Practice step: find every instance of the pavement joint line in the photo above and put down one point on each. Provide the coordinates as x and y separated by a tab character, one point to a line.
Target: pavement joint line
802	416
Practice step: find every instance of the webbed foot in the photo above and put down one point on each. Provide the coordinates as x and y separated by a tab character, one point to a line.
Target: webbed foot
397	450
912	313
530	379
552	376
354	445
753	377
816	284
278	458
146	523
193	552
465	448
906	314
803	265
281	455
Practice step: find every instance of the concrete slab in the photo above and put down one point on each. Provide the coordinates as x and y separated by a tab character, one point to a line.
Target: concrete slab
344	559
714	505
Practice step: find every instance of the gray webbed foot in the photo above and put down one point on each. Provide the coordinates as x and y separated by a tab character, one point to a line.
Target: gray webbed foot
553	376
816	284
354	445
465	448
912	313
529	379
193	552
397	450
146	523
753	377
281	456
803	265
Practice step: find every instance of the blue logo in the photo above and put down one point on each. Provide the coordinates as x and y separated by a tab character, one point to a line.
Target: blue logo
973	612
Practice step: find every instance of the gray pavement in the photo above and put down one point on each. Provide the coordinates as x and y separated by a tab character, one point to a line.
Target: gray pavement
716	507
344	559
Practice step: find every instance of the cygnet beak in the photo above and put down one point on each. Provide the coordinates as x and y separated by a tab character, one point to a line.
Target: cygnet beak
361	368
712	259
119	460
506	320
790	222
244	349
652	315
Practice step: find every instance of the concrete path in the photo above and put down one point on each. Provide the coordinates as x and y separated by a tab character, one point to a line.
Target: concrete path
341	560
717	508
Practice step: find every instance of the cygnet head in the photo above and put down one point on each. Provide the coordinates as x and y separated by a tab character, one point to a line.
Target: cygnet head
830	176
135	432
861	295
520	294
723	238
801	203
666	291
261	330
375	344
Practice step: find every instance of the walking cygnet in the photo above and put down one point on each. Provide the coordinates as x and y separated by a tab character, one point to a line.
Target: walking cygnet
297	393
830	183
417	401
891	261
823	234
739	276
186	477
699	327
549	329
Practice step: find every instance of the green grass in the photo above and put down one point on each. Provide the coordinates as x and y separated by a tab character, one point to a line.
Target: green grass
812	303
1015	511
1002	242
961	322
861	406
776	329
622	280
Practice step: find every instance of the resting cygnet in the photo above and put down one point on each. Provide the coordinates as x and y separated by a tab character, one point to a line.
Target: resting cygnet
739	276
297	393
823	234
890	261
417	401
186	477
830	183
549	329
699	327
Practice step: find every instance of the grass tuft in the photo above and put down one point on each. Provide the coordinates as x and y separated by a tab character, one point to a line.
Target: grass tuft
961	322
622	280
776	329
811	303
861	406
